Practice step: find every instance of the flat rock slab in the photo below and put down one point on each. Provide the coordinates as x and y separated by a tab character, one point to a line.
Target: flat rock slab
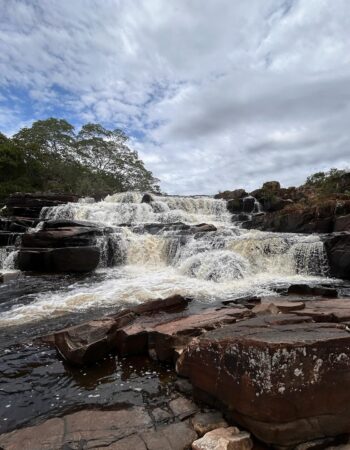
283	377
164	337
333	310
84	429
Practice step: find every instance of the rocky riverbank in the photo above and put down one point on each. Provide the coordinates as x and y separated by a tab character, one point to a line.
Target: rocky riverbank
248	324
278	367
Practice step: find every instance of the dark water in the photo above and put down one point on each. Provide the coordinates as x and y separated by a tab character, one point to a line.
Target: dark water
35	384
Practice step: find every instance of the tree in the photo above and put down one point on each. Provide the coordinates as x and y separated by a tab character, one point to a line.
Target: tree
50	156
51	135
106	151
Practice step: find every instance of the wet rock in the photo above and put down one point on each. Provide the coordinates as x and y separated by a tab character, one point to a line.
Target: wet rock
147	198
335	310
284	379
283	306
204	227
183	386
30	205
67	259
325	443
208	421
307	290
67	223
10	275
167	340
174	303
182	408
90	341
61	237
177	436
342	223
161	415
84	429
224	439
337	247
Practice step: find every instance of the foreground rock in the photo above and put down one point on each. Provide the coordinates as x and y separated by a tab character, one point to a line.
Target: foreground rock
128	429
283	377
159	328
224	439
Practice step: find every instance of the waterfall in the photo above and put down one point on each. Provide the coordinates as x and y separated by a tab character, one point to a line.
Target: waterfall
8	258
126	208
226	254
152	249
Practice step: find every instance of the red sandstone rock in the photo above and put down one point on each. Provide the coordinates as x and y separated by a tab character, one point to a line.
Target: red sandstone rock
90	341
331	310
84	429
285	379
164	336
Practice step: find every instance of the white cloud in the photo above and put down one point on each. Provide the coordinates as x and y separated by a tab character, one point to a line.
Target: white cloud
225	94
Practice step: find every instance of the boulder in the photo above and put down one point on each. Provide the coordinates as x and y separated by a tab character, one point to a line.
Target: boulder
52	260
230	438
337	247
61	237
207	421
271	186
284	378
230	195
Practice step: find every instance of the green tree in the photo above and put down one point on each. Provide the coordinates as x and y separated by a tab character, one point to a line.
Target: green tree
50	156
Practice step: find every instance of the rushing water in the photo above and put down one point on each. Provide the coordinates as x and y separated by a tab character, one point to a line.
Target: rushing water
150	251
148	261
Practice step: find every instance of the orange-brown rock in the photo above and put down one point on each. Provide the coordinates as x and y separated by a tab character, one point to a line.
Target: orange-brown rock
284	378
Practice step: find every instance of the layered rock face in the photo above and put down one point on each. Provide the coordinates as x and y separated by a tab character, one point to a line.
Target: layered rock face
30	205
281	377
61	246
293	210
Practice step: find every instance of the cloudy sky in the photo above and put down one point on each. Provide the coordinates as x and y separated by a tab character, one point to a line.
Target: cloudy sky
215	94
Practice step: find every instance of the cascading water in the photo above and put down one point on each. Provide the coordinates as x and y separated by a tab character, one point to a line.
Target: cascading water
154	250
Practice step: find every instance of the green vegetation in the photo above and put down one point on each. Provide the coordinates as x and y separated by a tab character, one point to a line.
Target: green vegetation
51	156
331	182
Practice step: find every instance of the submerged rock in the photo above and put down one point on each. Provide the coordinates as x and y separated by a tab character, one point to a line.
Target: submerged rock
283	377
